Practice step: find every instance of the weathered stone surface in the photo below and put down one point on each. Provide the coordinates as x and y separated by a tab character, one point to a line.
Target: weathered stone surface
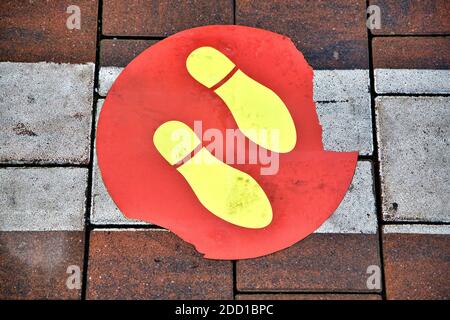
413	137
341	86
417	229
346	126
36	199
356	213
106	78
343	104
413	81
45	112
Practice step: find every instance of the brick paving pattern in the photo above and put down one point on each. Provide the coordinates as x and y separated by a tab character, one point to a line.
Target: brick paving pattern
168	269
383	92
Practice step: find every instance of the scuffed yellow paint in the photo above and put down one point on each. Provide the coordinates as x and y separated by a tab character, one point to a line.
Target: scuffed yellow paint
228	193
259	112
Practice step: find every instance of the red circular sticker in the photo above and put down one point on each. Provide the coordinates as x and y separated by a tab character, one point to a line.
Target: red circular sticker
219	81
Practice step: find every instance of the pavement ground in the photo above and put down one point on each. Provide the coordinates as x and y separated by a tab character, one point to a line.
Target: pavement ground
384	92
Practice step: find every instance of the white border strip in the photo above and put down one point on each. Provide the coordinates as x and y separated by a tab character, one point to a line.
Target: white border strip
412	81
417	228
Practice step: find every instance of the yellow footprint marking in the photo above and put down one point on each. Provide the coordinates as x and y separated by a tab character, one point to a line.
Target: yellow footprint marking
230	194
258	111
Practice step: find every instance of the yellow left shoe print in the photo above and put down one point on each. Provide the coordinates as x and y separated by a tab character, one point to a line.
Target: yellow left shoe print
230	194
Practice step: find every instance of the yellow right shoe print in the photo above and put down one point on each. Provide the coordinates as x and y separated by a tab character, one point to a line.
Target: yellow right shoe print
259	112
228	193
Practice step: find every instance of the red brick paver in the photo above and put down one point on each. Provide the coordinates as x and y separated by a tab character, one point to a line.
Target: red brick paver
331	34
411	52
118	53
413	16
162	17
321	262
153	264
417	266
308	297
32	31
34	265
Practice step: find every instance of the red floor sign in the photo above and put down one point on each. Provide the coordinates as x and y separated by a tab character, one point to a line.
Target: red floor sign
233	191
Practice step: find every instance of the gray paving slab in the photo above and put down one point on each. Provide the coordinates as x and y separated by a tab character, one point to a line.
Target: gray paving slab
356	213
412	81
417	229
45	112
346	126
341	85
41	199
414	149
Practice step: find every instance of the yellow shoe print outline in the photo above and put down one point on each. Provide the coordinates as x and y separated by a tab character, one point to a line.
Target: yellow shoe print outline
228	193
254	107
